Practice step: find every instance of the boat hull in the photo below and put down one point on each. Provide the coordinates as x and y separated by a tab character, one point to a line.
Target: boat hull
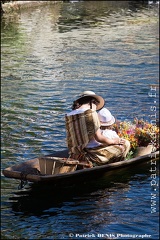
28	169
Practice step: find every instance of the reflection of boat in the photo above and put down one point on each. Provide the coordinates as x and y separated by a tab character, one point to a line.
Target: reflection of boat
31	170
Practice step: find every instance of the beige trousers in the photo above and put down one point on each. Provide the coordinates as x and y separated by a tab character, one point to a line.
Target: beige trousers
113	153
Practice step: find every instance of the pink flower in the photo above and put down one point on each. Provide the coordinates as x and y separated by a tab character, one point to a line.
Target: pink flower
130	131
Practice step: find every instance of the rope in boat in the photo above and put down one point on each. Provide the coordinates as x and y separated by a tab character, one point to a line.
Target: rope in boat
24	174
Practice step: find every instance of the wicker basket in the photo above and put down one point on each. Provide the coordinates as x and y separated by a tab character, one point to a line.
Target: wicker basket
144	150
55	165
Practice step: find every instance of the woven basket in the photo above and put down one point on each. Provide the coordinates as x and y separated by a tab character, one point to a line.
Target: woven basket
141	151
55	165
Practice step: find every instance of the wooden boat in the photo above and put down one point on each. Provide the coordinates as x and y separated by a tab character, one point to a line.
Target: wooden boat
31	169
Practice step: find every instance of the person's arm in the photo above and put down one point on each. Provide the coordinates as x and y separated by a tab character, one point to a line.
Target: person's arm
106	141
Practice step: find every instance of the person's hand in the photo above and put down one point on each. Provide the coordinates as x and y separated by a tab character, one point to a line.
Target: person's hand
116	141
121	141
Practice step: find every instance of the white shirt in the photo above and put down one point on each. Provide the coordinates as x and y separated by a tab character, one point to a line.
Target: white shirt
77	111
108	133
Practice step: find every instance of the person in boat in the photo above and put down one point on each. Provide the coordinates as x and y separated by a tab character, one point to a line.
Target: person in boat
107	120
85	140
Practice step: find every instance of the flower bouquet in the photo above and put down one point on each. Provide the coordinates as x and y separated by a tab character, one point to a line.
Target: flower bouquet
140	133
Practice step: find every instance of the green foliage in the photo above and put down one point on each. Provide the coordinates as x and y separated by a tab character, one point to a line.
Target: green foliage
129	155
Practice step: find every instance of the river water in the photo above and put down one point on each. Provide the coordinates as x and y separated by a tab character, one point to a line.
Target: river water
49	55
